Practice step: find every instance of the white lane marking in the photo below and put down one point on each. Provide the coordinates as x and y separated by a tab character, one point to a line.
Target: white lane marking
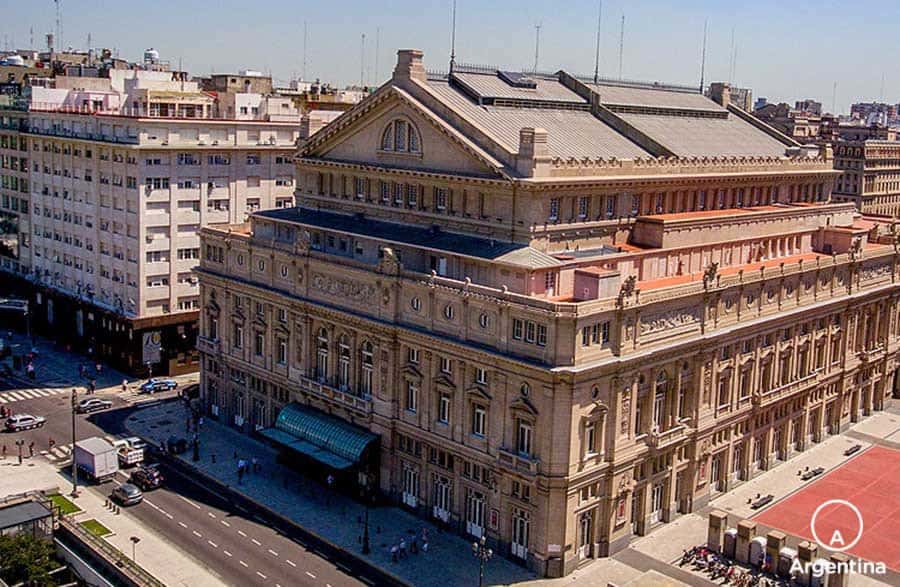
188	501
241	532
153	505
15	395
272	552
182	524
311	575
290	562
211	515
29	394
226	553
226	524
197	534
243	564
213	544
255	541
261	575
3	400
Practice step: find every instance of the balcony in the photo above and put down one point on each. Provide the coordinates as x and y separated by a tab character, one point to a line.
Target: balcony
515	462
760	398
332	394
662	440
209	345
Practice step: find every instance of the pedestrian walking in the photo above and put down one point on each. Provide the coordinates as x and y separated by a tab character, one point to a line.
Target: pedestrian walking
240	470
99	368
124	385
394	550
255	465
402	548
92	387
31	449
413	545
200	423
4	451
424	539
51	443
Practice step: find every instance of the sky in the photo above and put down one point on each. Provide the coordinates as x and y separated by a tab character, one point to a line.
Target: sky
784	51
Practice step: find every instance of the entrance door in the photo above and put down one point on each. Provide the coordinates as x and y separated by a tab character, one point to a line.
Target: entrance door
679	493
585	535
410	486
442	499
636	510
776	439
656	502
738	461
520	527
715	472
475	513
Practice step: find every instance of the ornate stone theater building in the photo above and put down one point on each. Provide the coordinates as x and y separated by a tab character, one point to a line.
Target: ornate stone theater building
568	311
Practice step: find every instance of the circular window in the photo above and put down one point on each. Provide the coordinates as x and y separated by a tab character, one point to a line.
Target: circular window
261	264
240	259
525	389
416	304
284	271
448	312
483	320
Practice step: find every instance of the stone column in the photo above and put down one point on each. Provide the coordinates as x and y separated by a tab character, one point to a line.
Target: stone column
807	553
774	543
746	533
839	578
718	522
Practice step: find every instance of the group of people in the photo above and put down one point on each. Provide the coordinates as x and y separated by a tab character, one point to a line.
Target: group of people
243	467
401	549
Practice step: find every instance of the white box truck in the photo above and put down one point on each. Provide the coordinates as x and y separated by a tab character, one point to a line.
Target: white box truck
96	458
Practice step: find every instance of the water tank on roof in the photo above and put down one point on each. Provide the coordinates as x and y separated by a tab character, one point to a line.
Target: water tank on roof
151	55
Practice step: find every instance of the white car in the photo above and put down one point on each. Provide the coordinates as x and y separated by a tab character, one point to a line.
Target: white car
24	422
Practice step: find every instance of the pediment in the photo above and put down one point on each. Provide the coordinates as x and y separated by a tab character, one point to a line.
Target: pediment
523	404
444	381
355	137
479	391
410	369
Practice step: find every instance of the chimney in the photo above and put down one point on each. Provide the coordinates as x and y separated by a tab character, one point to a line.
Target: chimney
720	93
533	159
409	65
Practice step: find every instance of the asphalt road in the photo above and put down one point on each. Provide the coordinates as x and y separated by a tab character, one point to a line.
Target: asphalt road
239	548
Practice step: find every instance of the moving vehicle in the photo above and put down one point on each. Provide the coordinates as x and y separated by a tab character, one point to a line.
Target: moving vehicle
92	404
96	458
128	454
154	385
24	422
135	442
147	477
127	494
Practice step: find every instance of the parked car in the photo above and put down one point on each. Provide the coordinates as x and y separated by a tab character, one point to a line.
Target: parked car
127	494
24	422
136	443
92	405
147	477
191	391
176	445
154	385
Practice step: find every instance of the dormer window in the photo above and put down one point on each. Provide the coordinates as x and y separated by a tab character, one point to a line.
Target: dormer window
401	137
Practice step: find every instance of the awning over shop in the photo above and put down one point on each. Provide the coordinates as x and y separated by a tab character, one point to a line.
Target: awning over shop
325	438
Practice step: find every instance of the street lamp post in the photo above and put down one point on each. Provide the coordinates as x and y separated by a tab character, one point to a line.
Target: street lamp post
74	465
483	554
134	541
365	482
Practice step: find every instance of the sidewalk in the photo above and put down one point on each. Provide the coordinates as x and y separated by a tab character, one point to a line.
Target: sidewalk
154	553
336	518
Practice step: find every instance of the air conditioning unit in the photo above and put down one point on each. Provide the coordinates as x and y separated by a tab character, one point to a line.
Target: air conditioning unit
215	143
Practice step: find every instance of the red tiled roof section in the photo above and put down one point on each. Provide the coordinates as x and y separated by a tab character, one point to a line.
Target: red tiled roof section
749	267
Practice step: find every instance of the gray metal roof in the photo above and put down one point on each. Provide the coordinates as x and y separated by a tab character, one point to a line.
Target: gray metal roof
415	236
570	133
652	98
94	445
687	136
489	85
22	513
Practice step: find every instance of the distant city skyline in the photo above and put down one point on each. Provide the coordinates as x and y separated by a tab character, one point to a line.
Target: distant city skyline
781	54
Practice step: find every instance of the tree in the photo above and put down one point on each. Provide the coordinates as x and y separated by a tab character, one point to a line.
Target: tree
26	559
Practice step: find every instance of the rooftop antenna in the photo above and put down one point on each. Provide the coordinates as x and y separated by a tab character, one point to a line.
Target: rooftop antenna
731	61
621	44
303	71
597	56
703	56
453	37
59	42
181	73
31	38
881	95
537	45
377	48
834	98
362	61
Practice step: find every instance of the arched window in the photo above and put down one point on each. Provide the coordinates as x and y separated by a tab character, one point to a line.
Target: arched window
401	137
367	357
322	355
659	400
344	363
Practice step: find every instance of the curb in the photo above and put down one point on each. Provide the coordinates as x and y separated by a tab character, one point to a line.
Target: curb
383	576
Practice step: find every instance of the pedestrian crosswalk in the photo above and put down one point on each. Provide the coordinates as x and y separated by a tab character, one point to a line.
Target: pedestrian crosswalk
8	397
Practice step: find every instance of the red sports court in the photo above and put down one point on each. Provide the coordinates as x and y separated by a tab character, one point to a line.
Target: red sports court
871	482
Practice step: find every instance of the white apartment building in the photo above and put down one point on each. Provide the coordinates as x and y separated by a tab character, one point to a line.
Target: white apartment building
123	173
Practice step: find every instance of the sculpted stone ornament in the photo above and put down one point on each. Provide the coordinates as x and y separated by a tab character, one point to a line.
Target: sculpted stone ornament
301	245
389	263
626	290
357	292
856	249
709	276
668	321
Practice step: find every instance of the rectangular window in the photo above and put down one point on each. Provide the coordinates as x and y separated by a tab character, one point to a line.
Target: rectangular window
610	206
440	199
282	351
541	335
360	188
385	192
446	366
584	207
412	396
238	336
413	355
554	210
479	420
523	438
412	195
518	329
253	159
444	409
258	344
530	331
481	375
